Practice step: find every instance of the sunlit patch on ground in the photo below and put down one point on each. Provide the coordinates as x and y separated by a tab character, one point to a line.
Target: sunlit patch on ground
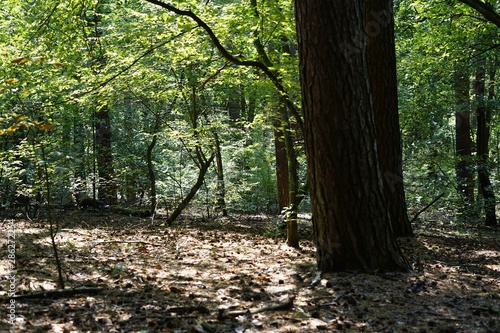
229	275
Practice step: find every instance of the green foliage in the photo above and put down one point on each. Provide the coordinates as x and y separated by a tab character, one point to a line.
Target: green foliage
433	40
161	77
250	171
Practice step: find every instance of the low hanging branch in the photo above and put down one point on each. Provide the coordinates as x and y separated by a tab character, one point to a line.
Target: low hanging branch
484	9
132	64
234	60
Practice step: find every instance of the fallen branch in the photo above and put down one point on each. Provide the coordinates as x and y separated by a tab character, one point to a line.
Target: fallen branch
188	309
124	242
36	271
59	293
286	305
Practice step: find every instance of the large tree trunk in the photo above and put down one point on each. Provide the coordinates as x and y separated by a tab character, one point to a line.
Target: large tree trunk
483	115
351	221
463	141
381	55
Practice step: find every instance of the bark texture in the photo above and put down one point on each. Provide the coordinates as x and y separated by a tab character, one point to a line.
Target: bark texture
381	55
352	225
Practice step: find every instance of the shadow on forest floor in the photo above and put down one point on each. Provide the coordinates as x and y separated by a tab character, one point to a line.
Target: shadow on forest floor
231	275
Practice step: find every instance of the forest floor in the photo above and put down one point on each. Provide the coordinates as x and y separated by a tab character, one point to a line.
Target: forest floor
125	274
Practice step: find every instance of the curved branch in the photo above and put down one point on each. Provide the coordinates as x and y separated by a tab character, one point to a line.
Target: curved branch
228	56
485	9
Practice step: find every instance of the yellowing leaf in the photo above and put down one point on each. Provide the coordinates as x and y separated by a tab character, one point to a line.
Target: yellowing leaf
39	59
56	64
21	60
12	129
11	81
20	118
45	127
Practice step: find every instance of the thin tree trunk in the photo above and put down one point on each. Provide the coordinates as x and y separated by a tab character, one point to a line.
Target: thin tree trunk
463	141
292	165
151	172
79	136
292	230
483	115
183	204
281	165
103	148
104	156
221	187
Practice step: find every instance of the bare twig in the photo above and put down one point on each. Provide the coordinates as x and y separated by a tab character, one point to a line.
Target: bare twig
124	242
59	293
426	207
283	306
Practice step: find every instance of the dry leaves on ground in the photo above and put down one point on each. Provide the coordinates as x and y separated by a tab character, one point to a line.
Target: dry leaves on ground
231	275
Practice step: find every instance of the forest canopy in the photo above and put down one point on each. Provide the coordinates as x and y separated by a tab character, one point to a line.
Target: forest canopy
157	76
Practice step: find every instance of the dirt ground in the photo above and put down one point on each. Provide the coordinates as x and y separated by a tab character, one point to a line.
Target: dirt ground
126	274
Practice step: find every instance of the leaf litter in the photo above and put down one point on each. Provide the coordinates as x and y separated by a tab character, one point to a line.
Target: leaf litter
126	274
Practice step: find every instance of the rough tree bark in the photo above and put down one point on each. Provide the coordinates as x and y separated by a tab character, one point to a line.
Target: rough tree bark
351	221
381	55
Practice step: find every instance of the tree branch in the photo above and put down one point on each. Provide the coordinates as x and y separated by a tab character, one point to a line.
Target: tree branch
484	9
228	56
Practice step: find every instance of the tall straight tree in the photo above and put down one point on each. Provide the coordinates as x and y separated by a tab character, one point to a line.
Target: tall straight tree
483	118
351	221
463	141
101	114
381	55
